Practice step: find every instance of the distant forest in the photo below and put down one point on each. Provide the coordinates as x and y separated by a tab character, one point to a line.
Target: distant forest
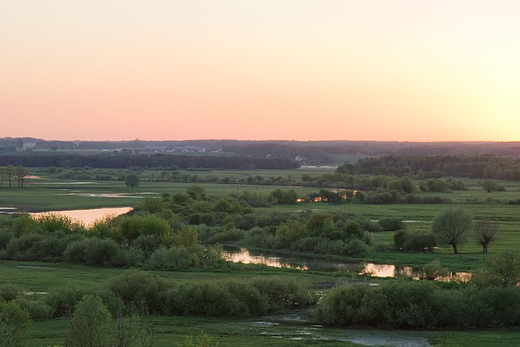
122	161
303	152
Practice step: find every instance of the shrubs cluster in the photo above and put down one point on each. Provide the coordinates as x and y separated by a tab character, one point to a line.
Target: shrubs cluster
238	298
419	305
441	185
321	233
140	240
137	291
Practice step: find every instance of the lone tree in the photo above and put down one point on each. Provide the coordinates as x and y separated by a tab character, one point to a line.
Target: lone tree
505	267
450	226
490	186
132	180
486	232
91	324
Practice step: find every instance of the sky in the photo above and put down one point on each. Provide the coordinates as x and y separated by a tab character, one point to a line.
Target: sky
395	70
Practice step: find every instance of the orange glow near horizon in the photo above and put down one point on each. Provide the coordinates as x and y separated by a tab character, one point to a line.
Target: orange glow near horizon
291	69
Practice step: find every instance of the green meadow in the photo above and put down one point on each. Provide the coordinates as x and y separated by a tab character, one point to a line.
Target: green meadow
294	328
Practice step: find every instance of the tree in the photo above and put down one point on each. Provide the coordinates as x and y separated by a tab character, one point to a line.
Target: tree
3	176
91	324
320	224
292	230
14	322
505	267
450	226
491	186
485	232
196	192
9	171
19	174
132	180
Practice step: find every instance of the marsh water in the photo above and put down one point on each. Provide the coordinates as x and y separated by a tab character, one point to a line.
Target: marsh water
246	256
88	216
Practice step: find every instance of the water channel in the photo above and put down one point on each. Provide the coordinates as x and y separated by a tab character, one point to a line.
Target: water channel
246	256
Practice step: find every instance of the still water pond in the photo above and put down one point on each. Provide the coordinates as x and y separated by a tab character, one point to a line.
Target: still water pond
246	256
87	217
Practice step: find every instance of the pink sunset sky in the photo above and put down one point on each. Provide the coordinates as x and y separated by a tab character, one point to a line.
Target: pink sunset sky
271	69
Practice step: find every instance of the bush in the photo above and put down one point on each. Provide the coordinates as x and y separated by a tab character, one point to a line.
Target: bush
36	308
133	227
101	251
147	243
9	291
94	250
63	299
140	290
174	258
227	236
414	242
392	224
14	323
201	298
20	248
5	237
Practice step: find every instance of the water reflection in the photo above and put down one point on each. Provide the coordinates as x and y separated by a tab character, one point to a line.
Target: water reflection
245	256
89	216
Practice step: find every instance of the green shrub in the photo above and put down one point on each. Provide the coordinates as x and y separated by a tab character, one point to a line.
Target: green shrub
227	236
419	241
9	291
391	224
36	308
14	323
93	250
133	227
174	258
63	299
147	243
140	290
5	237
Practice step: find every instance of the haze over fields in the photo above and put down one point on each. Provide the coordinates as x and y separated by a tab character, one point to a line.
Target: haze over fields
294	69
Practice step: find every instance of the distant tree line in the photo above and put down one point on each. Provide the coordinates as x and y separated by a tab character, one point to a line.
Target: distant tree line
120	161
433	167
282	148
